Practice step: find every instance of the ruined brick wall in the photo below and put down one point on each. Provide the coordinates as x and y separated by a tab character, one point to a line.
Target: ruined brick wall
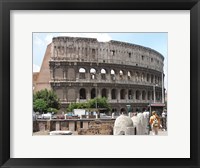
98	127
94	127
35	126
41	125
90	50
44	74
35	77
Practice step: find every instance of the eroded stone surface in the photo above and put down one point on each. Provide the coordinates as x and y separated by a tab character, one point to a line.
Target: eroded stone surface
123	126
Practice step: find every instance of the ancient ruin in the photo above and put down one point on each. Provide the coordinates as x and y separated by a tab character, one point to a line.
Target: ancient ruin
78	69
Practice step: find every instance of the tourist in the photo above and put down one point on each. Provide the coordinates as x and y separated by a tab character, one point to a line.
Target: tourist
155	123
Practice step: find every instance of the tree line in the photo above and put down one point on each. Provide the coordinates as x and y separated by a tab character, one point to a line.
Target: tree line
47	101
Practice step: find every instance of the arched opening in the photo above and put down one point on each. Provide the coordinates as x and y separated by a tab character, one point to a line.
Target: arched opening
104	93
112	74
149	95
121	74
130	94
148	78
158	96
152	77
122	94
143	95
93	93
137	95
92	73
123	110
82	93
82	72
103	74
114	110
113	94
152	95
142	77
129	75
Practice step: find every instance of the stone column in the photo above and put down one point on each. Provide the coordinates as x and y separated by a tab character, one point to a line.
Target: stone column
77	73
88	96
67	51
87	75
64	73
118	95
163	97
85	124
109	93
126	94
78	125
108	74
77	94
98	91
65	93
57	126
72	125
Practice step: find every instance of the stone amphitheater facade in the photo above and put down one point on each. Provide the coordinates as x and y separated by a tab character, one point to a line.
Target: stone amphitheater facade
79	69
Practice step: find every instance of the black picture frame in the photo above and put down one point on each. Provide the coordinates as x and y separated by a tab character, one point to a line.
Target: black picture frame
7	5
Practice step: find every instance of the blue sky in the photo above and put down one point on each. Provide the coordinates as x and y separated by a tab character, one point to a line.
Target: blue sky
156	41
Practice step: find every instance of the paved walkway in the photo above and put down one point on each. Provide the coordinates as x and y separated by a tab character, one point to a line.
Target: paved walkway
160	132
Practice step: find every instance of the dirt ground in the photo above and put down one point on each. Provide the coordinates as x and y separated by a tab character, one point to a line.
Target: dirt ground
47	133
41	133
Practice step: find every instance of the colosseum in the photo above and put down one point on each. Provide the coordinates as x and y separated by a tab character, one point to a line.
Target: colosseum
78	69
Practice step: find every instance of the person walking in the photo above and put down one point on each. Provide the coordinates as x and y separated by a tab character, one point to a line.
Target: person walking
155	123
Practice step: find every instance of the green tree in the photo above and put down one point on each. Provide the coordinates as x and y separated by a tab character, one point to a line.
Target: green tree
100	102
73	106
40	105
49	97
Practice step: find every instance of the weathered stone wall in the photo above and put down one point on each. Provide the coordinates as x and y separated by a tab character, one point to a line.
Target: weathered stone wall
35	77
44	74
35	126
42	125
83	127
88	49
79	69
97	127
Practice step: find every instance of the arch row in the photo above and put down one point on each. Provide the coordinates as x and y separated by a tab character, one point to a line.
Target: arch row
119	74
119	94
94	74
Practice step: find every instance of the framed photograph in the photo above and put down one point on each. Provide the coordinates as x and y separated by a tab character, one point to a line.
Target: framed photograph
99	68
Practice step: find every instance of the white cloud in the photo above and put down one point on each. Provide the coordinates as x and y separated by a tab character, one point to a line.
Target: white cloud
36	68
